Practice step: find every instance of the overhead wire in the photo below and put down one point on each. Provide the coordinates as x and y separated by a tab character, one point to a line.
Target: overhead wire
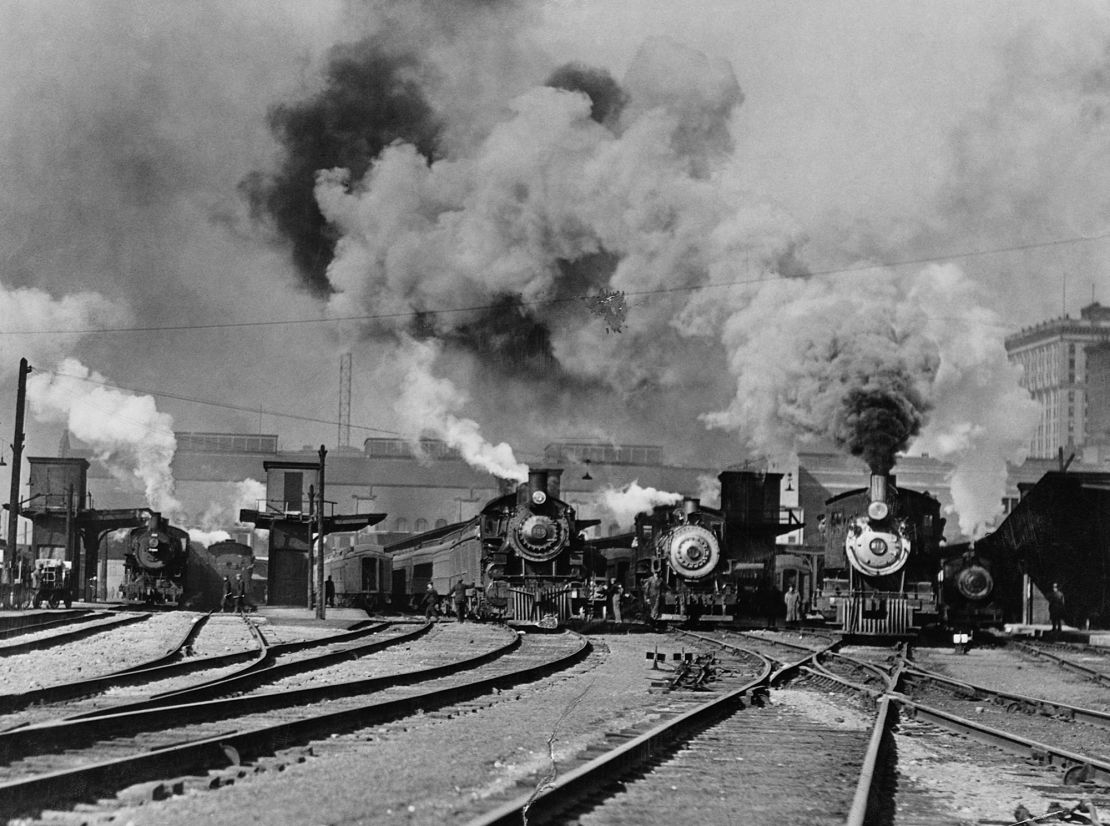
769	276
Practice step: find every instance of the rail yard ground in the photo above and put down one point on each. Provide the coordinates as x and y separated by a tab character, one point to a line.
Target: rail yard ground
455	762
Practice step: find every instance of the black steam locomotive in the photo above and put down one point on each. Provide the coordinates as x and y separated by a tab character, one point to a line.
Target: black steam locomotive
155	560
882	555
1059	532
713	562
523	556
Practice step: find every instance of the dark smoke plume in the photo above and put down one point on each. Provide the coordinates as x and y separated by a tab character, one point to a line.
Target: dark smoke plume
370	99
607	99
875	424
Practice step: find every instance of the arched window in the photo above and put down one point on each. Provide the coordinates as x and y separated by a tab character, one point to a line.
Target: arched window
401	524
421	525
614	529
441	523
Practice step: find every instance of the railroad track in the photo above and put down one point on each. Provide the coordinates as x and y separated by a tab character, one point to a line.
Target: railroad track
153	744
691	761
1095	667
77	627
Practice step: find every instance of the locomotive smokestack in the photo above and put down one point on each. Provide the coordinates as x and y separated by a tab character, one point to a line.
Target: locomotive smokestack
690	505
878	487
555	483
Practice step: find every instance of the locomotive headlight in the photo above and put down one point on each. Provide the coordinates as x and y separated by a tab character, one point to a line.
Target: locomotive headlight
878	510
538	497
878	545
152	542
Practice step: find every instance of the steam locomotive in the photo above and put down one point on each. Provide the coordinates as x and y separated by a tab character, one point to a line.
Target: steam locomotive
712	561
882	555
523	556
155	559
1059	532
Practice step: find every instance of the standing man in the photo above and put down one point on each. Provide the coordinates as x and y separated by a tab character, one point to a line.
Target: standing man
240	594
229	597
1056	608
329	592
430	602
615	594
458	596
653	595
792	600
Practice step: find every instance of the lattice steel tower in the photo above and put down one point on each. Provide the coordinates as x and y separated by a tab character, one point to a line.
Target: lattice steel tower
345	400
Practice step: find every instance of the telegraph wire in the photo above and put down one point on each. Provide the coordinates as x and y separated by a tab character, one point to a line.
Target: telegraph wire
853	270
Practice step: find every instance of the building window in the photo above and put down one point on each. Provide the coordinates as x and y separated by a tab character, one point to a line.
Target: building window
401	524
421	525
441	523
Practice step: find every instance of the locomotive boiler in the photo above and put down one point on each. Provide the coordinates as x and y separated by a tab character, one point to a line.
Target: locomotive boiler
882	555
523	555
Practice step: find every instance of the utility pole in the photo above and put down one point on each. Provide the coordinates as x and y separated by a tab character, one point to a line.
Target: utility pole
321	612
17	463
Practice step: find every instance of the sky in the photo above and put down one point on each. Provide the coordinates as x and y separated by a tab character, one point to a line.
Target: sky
817	223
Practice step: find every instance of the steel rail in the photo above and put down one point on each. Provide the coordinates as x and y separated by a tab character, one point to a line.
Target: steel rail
41	621
1090	673
90	781
1030	705
83	729
142	672
1092	768
93	626
867	801
560	794
261	671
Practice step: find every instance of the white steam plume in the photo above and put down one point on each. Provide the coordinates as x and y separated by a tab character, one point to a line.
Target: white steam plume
624	503
32	309
427	404
127	433
981	418
223	512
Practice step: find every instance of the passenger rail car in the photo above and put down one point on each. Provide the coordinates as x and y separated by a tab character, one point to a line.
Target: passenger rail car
523	554
712	561
882	558
363	575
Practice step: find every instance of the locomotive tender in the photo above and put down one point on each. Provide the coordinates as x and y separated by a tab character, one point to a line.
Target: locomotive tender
523	555
882	555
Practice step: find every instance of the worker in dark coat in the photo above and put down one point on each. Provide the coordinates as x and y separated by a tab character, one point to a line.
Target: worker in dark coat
1056	608
240	594
329	592
458	596
228	603
430	602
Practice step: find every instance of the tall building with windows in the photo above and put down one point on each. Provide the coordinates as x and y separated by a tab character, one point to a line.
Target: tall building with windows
1066	364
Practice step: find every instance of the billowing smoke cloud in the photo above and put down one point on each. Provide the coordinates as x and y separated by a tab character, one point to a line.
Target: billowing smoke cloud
371	98
607	99
850	367
624	503
426	406
126	432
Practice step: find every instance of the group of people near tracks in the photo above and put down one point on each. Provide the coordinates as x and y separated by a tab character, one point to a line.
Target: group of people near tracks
235	595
